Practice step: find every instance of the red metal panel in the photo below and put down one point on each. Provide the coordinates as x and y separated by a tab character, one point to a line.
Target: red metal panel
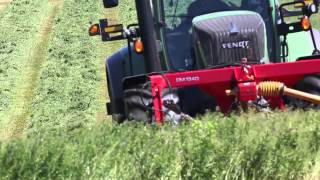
216	81
288	73
287	69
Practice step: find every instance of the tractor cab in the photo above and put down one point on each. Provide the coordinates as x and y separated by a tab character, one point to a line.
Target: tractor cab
201	34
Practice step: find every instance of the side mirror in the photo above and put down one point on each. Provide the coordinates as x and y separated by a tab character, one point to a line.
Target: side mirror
110	3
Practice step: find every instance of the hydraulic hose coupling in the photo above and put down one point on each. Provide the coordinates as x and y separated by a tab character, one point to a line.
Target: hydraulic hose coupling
270	88
267	88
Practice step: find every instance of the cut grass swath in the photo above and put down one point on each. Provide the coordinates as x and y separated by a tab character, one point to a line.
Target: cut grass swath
18	29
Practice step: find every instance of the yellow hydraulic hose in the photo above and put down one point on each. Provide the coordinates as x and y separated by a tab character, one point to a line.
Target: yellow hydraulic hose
271	88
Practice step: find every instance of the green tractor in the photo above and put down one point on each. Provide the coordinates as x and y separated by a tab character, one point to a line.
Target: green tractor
183	55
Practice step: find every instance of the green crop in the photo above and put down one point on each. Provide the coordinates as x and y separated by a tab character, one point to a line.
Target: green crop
254	146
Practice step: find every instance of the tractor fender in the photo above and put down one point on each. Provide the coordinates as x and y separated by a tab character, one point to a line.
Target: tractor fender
117	69
115	74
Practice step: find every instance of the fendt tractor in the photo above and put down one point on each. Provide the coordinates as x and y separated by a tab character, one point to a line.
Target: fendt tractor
189	57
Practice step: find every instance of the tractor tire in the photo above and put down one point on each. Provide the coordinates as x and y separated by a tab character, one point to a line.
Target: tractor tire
309	84
139	105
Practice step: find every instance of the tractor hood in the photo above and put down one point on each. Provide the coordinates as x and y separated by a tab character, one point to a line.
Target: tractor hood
227	37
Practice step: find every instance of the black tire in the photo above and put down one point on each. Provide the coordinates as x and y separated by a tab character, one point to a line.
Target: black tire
309	84
139	105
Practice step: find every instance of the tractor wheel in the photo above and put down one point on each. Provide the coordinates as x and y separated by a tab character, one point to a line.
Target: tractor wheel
309	84
139	105
137	102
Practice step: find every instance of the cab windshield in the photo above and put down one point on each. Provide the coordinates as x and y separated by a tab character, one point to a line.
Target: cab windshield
177	16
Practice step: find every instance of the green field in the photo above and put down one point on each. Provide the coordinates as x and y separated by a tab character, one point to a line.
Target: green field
53	123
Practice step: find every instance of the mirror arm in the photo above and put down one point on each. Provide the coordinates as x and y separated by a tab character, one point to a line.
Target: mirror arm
288	13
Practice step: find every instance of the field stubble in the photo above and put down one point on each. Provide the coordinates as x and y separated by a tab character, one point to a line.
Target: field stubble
16	47
69	88
26	91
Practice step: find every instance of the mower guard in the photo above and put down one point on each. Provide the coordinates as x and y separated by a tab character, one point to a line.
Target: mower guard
243	79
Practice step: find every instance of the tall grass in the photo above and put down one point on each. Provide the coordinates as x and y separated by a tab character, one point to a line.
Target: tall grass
254	146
